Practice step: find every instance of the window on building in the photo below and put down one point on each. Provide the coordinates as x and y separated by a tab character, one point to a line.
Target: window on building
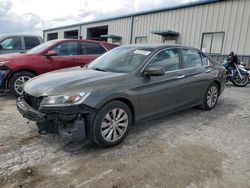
12	43
169	41
71	34
52	36
168	59
212	42
31	42
116	41
191	59
140	40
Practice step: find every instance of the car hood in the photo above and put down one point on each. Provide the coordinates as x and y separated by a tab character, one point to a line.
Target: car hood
70	80
12	56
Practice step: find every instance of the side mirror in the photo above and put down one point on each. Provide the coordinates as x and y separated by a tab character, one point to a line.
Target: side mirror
51	53
1	47
154	71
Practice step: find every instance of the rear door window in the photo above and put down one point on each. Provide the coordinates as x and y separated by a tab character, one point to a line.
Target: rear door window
168	59
90	48
13	43
205	60
191	58
31	42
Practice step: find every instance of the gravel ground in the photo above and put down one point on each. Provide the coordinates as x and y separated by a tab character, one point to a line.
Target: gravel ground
191	149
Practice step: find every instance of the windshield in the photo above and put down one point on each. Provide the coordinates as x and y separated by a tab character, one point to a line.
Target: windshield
41	47
121	59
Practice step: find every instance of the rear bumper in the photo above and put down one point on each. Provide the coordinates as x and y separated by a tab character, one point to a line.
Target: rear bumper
69	126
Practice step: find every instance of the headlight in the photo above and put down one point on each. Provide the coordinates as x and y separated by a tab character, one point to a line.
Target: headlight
3	62
64	100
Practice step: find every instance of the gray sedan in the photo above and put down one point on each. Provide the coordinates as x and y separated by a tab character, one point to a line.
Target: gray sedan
131	83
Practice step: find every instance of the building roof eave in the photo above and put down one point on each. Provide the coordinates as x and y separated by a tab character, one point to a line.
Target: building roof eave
185	5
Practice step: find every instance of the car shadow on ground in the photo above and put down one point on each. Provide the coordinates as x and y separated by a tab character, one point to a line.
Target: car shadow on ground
152	126
158	126
6	96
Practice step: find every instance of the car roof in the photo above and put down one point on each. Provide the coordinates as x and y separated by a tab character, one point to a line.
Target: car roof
86	40
159	46
18	35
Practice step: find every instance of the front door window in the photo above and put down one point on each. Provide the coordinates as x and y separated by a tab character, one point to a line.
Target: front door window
168	59
12	43
66	49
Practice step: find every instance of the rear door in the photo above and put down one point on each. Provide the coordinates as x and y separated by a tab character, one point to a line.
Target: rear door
163	93
198	74
30	42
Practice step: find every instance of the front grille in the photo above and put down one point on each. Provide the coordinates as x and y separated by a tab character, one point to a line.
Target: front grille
34	102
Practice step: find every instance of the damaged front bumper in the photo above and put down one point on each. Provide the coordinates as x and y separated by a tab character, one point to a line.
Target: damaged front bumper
69	122
28	112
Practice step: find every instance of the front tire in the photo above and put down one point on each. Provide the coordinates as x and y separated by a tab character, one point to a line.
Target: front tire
17	82
111	124
241	82
211	97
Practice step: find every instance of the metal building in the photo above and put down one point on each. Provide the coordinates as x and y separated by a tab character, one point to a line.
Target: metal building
215	26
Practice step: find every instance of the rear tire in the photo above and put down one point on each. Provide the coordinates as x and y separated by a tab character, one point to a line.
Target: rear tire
111	124
210	98
17	82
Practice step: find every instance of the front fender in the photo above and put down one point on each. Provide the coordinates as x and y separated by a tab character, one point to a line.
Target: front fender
97	102
243	72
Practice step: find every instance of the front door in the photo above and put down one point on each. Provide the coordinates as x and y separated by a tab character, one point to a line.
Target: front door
11	45
159	94
67	56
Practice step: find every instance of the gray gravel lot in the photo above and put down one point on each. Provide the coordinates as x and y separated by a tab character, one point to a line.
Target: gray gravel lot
191	149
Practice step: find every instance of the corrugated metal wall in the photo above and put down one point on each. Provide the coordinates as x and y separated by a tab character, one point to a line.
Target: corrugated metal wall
229	16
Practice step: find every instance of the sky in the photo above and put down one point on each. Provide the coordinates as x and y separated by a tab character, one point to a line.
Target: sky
33	16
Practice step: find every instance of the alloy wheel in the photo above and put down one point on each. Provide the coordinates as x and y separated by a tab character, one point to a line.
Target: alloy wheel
19	83
114	125
212	96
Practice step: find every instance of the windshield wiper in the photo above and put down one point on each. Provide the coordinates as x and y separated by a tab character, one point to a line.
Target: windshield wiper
98	69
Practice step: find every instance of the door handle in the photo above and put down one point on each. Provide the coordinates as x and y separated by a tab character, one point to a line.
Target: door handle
208	71
181	76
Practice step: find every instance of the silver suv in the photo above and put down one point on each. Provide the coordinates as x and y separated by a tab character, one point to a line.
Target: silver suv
18	43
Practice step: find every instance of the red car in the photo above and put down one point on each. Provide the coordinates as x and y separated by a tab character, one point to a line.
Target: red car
16	69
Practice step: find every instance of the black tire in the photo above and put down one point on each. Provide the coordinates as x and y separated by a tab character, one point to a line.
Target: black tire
15	77
241	85
100	116
205	102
